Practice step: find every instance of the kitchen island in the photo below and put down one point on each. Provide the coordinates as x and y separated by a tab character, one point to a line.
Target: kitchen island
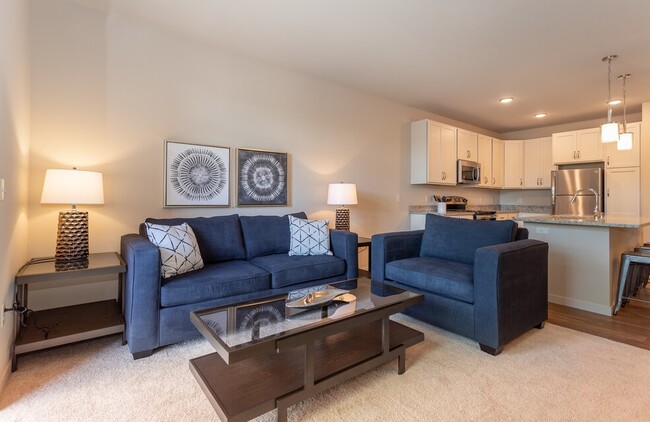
584	256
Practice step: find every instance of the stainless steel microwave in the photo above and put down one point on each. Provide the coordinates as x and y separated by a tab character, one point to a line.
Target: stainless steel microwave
469	172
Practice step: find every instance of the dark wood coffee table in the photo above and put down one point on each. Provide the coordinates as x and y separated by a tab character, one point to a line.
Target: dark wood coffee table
269	356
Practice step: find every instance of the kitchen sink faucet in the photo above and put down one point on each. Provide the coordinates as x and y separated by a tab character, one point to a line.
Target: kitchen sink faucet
597	213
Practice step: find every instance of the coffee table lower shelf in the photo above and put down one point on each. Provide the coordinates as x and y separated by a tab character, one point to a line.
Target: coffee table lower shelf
250	388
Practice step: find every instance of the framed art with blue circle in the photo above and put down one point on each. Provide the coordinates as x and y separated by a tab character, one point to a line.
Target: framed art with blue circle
196	175
262	178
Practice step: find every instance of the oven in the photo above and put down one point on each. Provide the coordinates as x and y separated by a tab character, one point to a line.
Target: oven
469	172
485	215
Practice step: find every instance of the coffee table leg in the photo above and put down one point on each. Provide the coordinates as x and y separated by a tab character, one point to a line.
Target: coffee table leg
385	335
282	413
401	362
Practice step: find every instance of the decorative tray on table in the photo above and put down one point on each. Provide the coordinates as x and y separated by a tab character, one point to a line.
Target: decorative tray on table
321	298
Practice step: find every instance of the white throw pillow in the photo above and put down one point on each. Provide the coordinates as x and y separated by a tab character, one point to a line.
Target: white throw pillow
309	237
179	252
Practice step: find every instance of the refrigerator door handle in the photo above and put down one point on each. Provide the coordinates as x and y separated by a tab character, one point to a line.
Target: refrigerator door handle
553	181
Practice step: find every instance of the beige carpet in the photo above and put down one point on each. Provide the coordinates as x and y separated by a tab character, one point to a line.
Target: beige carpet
546	375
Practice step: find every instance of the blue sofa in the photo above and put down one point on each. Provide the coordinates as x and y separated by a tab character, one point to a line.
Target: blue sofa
246	258
484	280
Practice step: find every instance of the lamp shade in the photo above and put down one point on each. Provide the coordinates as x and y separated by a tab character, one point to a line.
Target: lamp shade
342	194
624	141
609	132
72	187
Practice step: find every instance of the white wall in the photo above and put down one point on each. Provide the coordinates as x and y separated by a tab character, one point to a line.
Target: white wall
14	145
108	90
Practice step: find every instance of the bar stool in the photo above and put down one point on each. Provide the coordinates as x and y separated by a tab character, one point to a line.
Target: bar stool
629	282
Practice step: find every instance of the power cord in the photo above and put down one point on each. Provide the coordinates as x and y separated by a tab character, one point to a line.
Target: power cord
21	310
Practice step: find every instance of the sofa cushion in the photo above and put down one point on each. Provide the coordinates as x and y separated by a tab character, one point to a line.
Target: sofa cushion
266	234
287	270
179	251
217	280
451	279
309	237
220	238
457	239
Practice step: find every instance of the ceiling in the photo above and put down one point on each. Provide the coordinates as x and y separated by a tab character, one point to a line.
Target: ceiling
453	58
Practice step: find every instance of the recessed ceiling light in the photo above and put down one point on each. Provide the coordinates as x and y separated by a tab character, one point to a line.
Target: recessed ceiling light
506	100
540	115
615	102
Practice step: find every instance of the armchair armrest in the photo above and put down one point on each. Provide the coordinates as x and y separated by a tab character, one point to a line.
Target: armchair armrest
345	245
141	292
387	247
510	290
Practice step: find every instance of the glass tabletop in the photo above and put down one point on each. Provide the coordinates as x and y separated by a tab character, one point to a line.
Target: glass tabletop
247	324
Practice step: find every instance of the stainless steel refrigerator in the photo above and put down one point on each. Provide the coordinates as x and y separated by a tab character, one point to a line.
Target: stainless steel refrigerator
565	183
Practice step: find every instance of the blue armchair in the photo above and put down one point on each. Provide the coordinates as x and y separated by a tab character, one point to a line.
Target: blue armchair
484	280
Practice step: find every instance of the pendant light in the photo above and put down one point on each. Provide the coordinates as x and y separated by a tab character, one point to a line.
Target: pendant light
609	130
625	138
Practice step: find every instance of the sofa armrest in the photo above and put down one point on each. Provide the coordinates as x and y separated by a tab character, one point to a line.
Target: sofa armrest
141	292
510	290
345	245
387	247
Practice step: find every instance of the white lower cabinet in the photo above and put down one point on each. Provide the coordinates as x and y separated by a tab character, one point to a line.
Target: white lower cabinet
623	191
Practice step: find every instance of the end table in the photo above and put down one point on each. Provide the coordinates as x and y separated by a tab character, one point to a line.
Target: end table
69	324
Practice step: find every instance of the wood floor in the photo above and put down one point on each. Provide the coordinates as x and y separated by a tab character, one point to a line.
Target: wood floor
631	325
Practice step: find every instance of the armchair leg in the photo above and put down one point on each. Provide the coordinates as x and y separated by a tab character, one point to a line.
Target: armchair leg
143	354
540	325
491	350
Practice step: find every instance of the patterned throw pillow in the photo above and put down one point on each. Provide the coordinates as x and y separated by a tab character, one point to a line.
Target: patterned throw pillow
179	252
309	237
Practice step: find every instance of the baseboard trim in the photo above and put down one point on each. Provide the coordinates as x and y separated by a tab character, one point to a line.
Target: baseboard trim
580	304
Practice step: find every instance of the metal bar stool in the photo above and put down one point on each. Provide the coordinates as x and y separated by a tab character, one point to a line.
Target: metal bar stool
645	272
628	281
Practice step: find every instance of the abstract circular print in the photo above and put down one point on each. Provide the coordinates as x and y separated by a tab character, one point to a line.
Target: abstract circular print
262	178
260	316
198	174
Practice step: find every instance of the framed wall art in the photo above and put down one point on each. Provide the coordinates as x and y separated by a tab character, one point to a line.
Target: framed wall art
262	178
196	175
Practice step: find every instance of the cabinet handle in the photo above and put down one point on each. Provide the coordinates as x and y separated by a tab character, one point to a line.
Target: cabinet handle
469	154
494	181
485	180
608	192
608	160
521	182
574	155
444	176
578	154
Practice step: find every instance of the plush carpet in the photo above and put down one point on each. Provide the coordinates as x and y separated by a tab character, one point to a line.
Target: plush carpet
545	375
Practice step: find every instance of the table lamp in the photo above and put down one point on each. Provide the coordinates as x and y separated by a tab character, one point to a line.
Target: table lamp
342	194
72	187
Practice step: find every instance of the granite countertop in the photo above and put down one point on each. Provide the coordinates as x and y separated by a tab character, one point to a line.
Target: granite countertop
433	208
608	220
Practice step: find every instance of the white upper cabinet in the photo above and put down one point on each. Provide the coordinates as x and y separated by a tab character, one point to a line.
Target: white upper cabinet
467	145
630	158
538	163
514	164
433	153
497	163
579	146
485	158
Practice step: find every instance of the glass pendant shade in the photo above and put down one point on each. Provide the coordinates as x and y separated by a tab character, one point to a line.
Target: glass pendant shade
624	141
609	132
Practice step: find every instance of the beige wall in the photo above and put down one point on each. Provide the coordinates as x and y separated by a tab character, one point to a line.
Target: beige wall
14	145
107	91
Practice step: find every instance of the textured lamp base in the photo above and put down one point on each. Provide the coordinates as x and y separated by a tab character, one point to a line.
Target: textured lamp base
72	236
342	219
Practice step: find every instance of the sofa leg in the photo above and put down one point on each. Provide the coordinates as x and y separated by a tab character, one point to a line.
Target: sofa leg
540	325
491	350
143	354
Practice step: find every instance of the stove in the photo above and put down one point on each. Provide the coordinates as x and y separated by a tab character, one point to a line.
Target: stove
458	203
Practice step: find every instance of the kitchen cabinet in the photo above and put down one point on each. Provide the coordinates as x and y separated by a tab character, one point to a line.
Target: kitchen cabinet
433	153
513	164
497	163
467	145
630	158
623	191
490	155
579	146
538	163
485	158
